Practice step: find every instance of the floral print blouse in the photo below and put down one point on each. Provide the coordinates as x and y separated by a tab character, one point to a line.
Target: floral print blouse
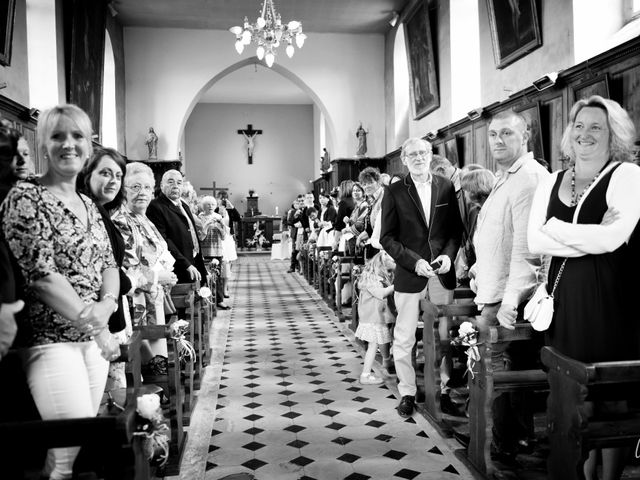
46	237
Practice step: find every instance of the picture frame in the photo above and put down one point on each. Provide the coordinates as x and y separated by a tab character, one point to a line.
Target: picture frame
514	34
7	12
423	80
451	151
531	112
598	85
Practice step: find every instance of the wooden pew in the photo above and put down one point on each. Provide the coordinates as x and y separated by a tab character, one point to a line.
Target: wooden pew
341	279
487	384
119	452
354	277
173	390
571	433
432	347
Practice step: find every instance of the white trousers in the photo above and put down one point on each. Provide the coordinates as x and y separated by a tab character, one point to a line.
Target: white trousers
404	332
66	380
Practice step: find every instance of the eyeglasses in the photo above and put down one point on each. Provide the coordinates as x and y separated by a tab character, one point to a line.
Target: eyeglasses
137	187
421	153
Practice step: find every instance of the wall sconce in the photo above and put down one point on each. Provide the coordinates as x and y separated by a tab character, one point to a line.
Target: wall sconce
475	114
432	135
394	18
546	81
34	113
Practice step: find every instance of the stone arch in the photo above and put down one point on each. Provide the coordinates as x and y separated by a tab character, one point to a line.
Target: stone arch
288	74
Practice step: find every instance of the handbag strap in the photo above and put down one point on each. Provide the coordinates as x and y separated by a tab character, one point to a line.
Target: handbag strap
555	284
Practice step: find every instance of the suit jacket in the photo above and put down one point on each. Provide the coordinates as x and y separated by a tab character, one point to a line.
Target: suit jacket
406	236
174	227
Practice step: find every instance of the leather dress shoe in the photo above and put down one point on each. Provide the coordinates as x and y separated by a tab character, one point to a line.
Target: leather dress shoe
222	306
406	406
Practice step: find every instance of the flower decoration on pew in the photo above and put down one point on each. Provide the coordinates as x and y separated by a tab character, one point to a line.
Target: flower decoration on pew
153	428
206	295
468	337
186	352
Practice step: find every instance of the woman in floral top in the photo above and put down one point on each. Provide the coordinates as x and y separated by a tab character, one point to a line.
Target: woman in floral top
62	248
147	260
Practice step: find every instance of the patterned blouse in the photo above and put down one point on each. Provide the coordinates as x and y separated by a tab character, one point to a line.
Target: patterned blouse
46	237
213	237
145	253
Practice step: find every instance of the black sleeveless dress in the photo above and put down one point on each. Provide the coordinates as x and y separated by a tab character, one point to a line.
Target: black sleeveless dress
594	320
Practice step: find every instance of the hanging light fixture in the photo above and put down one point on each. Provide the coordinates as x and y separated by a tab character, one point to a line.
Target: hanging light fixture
269	33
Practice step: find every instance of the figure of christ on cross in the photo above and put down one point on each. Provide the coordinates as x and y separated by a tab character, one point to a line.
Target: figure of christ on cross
249	134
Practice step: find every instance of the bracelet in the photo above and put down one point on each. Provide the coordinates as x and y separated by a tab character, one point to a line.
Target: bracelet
112	297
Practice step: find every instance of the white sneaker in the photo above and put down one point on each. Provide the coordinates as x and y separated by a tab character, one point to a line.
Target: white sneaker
370	379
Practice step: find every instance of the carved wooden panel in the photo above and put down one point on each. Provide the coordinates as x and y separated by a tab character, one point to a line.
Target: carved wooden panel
480	146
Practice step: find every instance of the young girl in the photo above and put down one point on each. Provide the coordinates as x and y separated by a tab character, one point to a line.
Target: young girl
376	283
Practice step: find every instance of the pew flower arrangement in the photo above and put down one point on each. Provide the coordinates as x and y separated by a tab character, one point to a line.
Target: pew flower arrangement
186	352
153	427
206	295
468	337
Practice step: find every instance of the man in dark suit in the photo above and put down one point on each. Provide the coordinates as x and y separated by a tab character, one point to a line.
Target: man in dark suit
421	230
176	224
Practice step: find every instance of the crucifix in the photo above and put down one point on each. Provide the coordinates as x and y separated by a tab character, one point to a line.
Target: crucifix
249	133
215	189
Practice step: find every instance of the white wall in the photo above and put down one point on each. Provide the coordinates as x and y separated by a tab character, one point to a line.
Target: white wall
283	158
167	68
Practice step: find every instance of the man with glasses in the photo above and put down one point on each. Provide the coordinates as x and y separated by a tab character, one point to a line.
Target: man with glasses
174	220
421	230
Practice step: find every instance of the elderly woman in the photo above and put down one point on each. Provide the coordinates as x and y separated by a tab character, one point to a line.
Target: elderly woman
101	180
61	245
147	259
212	237
583	217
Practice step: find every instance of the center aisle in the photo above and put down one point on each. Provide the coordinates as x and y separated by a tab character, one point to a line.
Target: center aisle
289	404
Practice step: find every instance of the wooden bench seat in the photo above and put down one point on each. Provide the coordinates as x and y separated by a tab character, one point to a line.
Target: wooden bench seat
571	432
116	453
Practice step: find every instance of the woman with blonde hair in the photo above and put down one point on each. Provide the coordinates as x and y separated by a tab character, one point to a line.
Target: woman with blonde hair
59	240
583	217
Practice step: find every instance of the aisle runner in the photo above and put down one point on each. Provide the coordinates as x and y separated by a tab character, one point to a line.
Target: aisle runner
290	405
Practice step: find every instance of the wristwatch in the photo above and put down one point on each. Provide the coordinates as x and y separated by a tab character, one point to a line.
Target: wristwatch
112	297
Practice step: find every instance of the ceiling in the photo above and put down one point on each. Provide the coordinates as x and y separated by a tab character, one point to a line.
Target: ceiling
326	16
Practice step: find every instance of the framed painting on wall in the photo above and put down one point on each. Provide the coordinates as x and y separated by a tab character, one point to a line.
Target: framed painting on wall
451	151
515	30
422	65
531	112
598	85
7	15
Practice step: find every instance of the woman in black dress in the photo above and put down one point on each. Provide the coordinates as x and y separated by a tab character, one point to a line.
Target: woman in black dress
586	215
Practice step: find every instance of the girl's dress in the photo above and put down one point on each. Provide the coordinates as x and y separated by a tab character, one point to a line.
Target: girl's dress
374	314
594	317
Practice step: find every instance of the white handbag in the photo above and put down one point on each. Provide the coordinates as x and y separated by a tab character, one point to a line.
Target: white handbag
539	309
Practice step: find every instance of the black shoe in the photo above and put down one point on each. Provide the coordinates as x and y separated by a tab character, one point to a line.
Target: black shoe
222	306
291	270
226	296
406	406
447	406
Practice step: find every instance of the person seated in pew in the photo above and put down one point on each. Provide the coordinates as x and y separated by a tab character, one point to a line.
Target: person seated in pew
354	225
505	271
101	180
62	248
583	217
147	259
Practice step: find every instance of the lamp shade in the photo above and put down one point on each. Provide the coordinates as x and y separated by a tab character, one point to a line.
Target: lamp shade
239	46
290	50
269	58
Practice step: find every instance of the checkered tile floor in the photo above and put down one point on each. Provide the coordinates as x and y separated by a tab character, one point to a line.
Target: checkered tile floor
289	405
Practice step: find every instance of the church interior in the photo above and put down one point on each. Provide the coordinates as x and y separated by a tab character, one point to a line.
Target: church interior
257	104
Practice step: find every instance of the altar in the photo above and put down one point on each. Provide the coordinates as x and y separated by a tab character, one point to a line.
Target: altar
267	223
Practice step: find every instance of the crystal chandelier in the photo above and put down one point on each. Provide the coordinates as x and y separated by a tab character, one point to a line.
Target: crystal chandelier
269	33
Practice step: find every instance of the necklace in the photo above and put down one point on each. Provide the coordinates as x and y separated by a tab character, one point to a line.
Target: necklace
576	198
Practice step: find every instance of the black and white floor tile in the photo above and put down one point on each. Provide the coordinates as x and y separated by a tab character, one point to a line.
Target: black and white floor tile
288	404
